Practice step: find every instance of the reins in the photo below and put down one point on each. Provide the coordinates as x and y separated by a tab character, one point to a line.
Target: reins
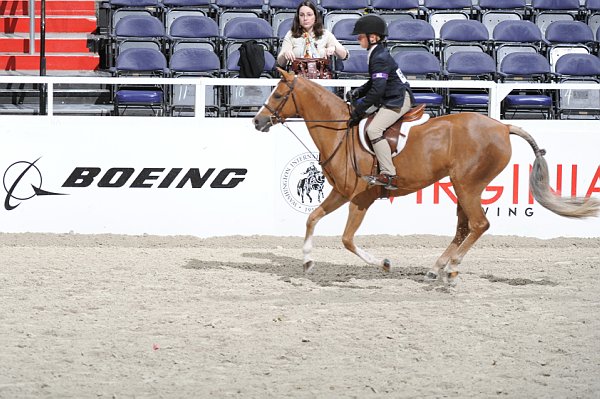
275	115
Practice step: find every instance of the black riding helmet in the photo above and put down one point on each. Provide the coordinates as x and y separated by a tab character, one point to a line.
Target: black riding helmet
370	24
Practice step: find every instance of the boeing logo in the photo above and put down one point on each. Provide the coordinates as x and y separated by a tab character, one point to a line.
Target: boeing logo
22	181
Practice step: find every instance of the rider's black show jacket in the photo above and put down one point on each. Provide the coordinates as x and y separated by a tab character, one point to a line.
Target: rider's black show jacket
386	85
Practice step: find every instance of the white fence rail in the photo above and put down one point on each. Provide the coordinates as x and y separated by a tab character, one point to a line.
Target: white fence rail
497	91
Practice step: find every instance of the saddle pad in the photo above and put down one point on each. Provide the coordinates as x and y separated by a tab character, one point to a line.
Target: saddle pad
404	129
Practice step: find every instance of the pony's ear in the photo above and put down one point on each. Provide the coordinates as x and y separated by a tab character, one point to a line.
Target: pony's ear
285	75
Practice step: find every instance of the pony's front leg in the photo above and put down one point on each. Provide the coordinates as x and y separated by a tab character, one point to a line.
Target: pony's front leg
356	214
333	201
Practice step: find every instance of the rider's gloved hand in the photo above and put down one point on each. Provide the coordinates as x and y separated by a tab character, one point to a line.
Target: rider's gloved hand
352	95
354	120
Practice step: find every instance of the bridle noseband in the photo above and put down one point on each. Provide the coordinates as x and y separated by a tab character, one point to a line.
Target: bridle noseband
275	113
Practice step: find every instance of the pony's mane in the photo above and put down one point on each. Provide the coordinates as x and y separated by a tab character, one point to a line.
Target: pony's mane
322	90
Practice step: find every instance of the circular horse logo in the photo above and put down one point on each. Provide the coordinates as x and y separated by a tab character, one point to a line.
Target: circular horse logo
303	183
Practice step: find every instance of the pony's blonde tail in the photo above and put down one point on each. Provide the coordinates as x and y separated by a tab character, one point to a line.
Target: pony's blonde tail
571	207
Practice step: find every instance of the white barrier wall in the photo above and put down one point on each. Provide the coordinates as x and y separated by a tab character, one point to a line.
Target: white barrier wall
214	177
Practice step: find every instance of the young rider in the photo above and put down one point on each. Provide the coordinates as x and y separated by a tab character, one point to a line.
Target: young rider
387	90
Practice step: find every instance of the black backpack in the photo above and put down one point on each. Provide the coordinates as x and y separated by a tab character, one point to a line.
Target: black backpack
252	59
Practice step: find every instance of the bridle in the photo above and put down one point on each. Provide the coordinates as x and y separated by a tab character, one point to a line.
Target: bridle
276	117
275	113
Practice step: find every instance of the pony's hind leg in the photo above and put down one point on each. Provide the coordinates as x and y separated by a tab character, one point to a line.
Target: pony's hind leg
462	230
333	201
356	214
477	225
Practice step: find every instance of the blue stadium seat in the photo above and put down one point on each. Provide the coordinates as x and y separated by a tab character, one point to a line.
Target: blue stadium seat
517	32
574	68
422	65
206	6
335	10
342	30
355	67
282	10
592	15
440	11
391	10
456	35
528	67
547	11
140	62
189	62
138	30
566	37
569	32
472	65
411	33
516	36
495	11
230	9
241	29
246	100
194	31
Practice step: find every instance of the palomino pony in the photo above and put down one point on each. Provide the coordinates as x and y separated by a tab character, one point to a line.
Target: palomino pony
470	148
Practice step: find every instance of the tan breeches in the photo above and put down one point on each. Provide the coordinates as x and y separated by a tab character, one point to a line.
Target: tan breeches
385	118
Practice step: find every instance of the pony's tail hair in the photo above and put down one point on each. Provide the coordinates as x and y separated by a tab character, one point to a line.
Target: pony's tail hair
571	207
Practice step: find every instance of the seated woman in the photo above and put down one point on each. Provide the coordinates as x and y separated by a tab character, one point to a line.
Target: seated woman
308	39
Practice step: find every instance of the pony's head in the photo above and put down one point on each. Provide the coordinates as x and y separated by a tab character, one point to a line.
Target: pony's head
280	105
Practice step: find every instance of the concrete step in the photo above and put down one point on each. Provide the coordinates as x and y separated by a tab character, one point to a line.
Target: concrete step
55	43
54	61
54	23
53	7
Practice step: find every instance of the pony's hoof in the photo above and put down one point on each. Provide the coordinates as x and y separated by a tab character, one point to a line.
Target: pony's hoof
430	276
387	265
451	278
308	266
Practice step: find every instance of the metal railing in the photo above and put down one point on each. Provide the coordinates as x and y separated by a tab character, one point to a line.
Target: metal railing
497	91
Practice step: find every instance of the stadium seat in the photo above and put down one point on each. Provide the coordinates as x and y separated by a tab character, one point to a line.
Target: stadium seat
241	29
456	35
578	68
355	67
592	15
342	30
139	30
495	11
516	36
335	10
194	31
473	65
526	67
282	10
566	37
282	29
190	62
544	12
392	10
411	33
121	8
230	9
207	7
438	12
140	62
246	100
422	65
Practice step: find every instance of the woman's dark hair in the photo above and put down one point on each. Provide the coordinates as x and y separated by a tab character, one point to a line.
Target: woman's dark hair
297	30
